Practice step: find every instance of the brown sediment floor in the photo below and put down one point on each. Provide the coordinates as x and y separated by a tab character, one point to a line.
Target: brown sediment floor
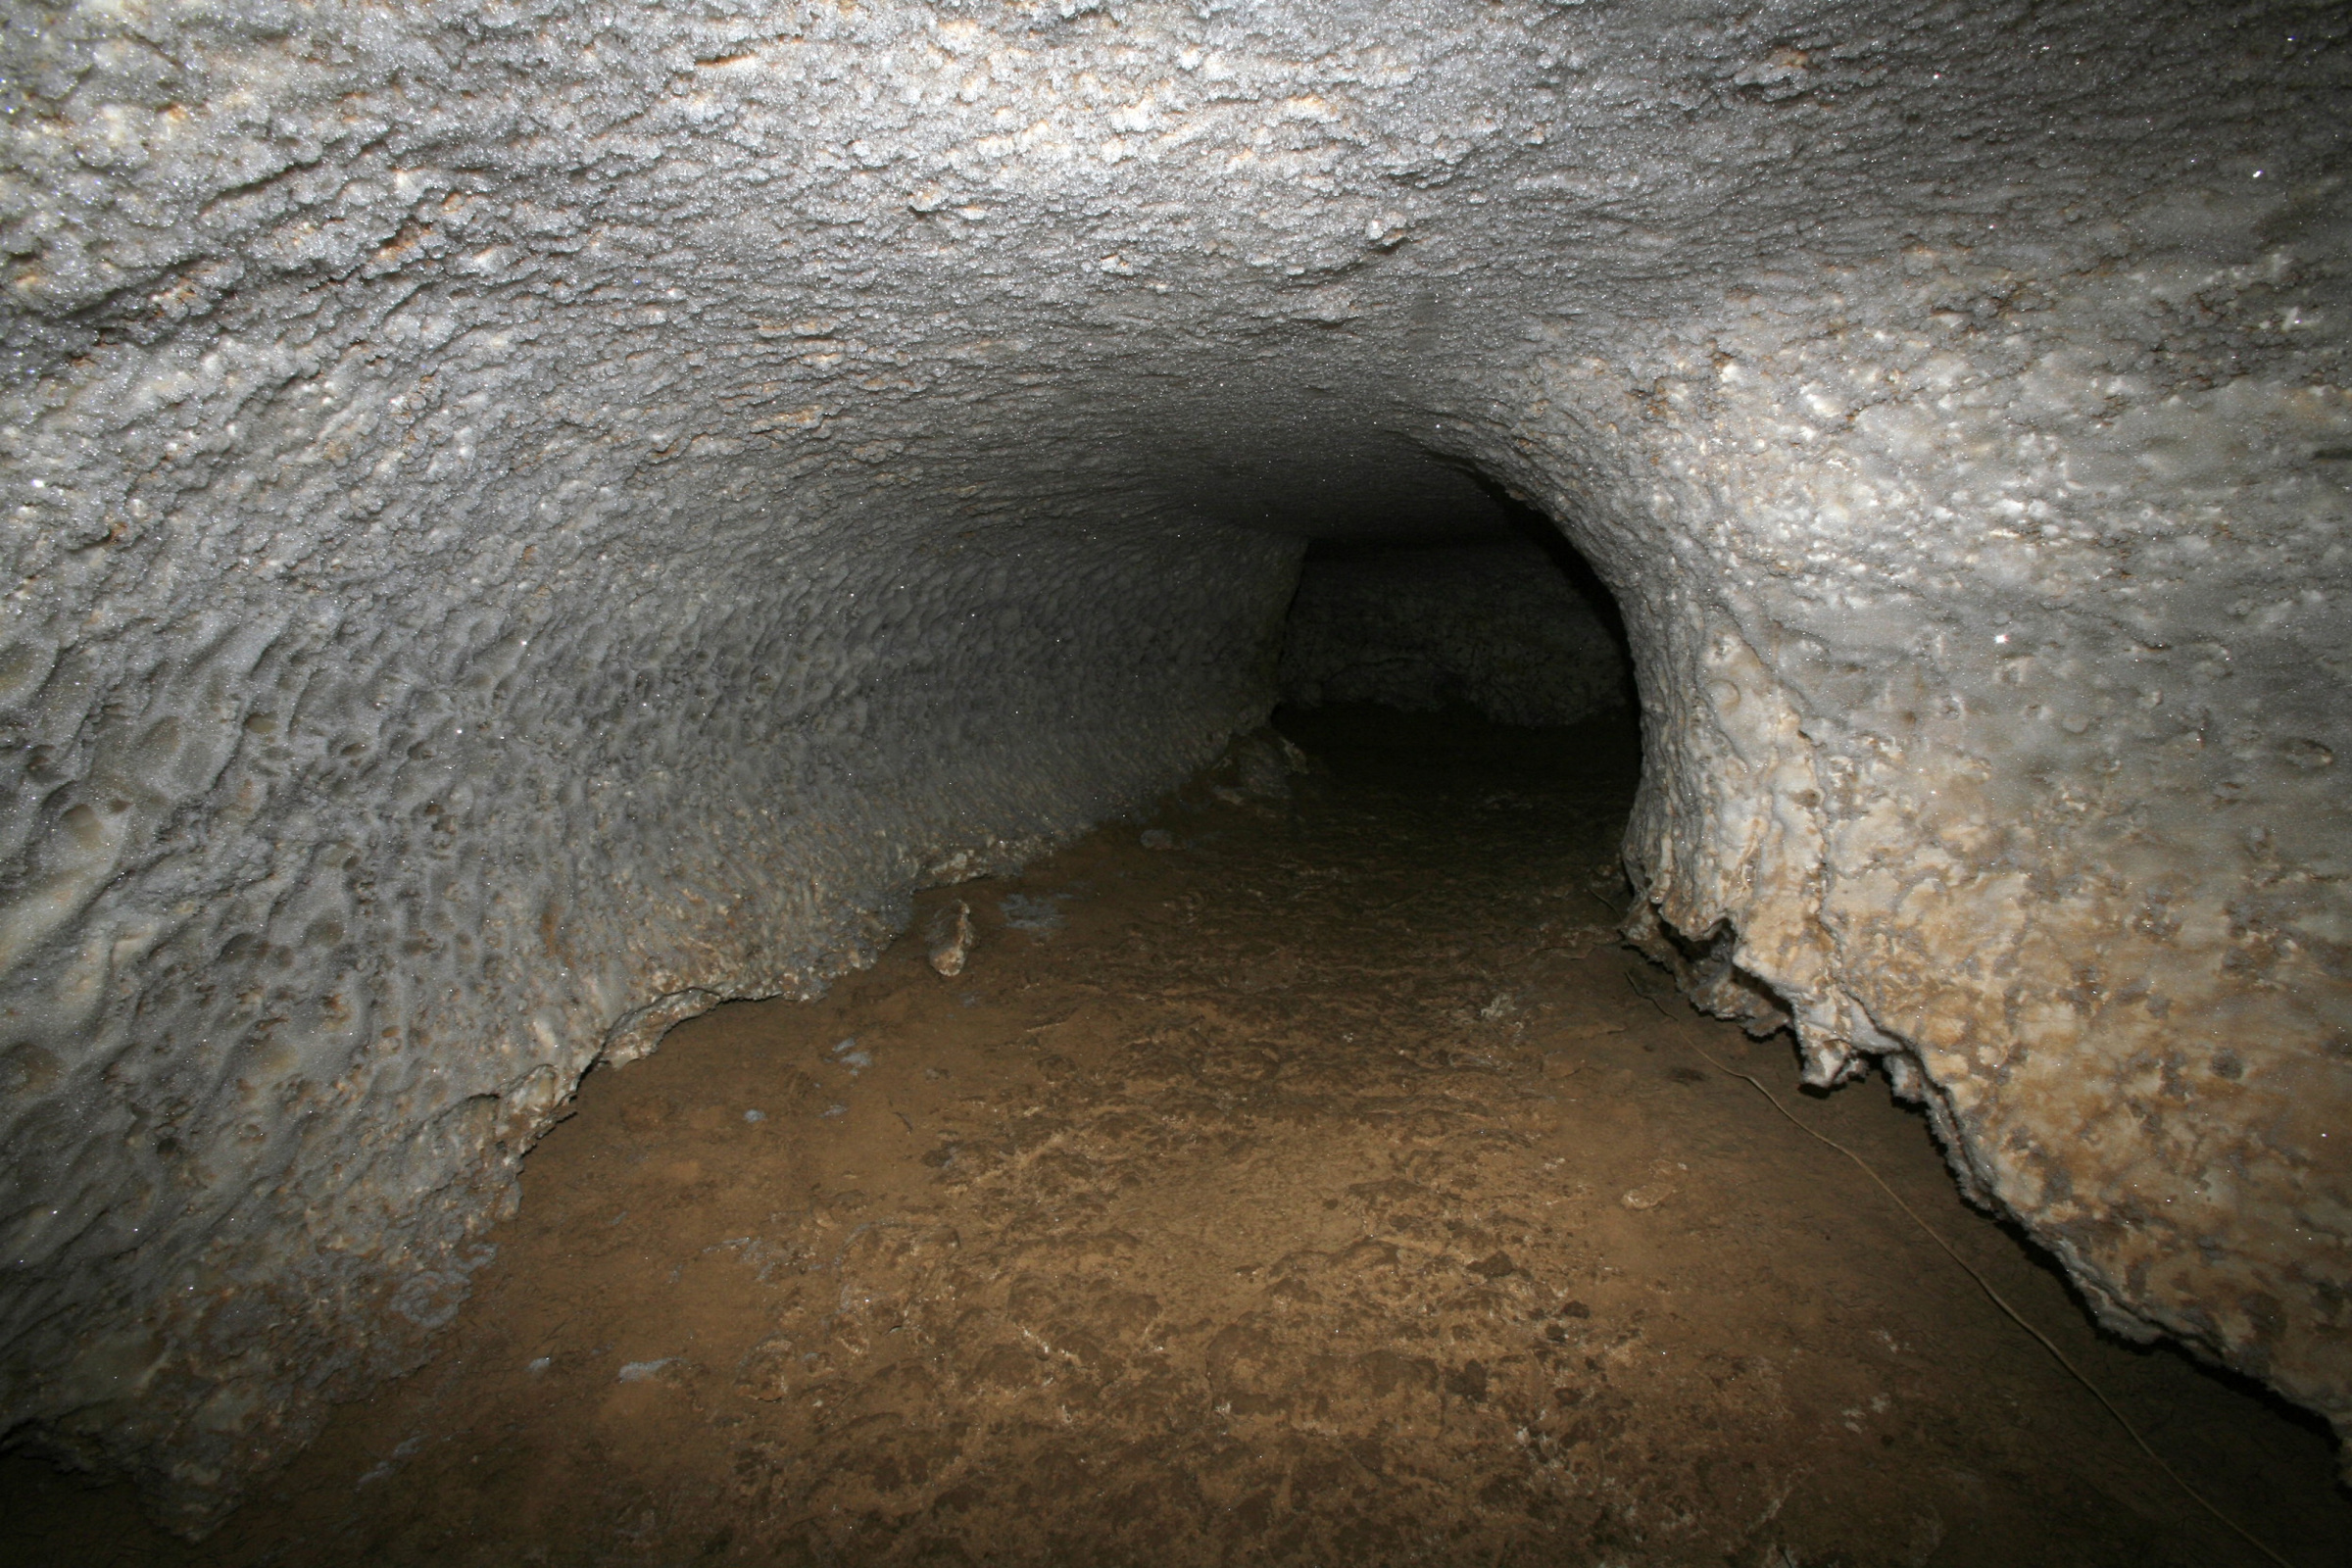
1316	1189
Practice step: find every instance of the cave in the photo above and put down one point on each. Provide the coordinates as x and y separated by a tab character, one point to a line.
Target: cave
533	527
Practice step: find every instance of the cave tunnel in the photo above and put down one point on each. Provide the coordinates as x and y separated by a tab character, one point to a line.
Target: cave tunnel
1180	746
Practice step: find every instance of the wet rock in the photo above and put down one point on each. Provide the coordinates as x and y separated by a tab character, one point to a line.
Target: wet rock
1040	917
950	938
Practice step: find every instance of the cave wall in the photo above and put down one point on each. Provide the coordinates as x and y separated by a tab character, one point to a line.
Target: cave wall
333	896
523	514
1496	625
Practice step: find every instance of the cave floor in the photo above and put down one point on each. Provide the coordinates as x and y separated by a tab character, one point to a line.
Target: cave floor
1321	1190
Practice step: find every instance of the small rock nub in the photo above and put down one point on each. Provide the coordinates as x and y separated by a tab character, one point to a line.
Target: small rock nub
951	935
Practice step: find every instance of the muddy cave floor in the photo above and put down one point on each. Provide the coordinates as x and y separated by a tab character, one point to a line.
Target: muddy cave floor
1316	1189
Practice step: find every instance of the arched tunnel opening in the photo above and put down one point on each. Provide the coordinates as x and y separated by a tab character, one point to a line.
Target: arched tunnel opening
1151	783
1298	1163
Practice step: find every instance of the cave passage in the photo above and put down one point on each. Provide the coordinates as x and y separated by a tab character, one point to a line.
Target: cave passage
523	528
1295	1175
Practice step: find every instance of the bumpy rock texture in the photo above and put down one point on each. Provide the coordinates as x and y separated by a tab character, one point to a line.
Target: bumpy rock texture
521	513
1498	626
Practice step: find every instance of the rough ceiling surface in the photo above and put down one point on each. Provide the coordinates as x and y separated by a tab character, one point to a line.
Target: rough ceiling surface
524	520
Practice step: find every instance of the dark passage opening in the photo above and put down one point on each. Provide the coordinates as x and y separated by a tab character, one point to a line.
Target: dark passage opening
1301	1174
1518	634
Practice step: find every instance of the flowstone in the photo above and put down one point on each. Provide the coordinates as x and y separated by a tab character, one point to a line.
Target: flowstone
526	520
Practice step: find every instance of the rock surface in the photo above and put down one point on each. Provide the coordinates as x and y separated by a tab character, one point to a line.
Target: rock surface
526	519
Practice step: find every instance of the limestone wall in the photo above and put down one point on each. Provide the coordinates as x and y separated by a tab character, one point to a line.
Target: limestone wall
517	513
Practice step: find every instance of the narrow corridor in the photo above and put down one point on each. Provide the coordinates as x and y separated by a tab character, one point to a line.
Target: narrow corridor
1301	1176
